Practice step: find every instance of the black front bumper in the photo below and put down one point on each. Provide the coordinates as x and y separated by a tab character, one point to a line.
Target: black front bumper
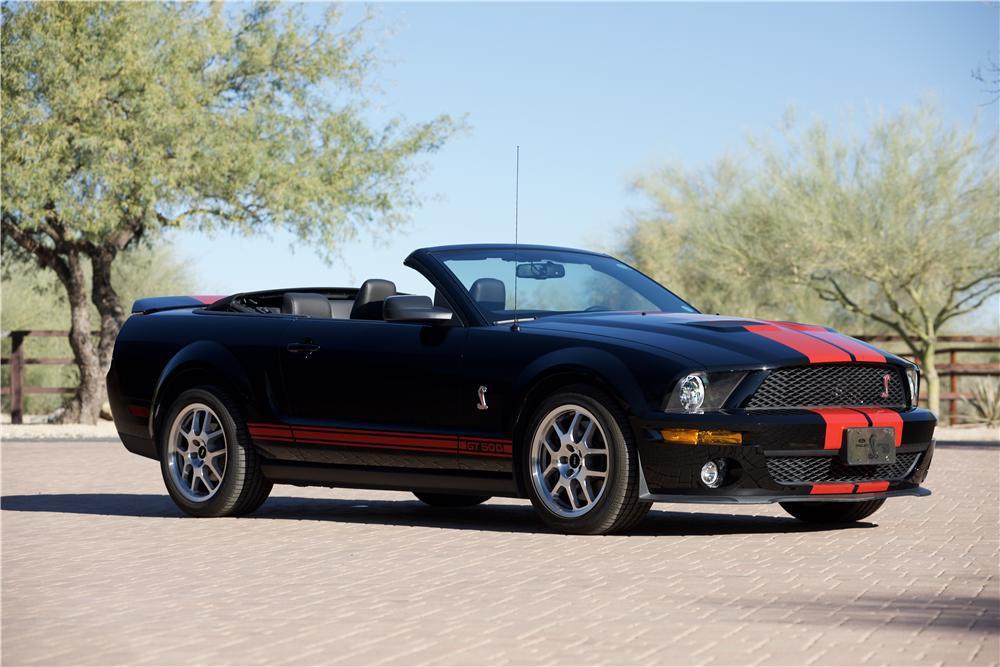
774	443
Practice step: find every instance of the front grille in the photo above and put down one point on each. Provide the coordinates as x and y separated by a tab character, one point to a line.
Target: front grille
818	469
841	385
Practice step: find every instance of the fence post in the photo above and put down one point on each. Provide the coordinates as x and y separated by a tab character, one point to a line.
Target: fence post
953	386
16	377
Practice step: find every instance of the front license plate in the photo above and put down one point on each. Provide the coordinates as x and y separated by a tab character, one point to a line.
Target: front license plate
867	446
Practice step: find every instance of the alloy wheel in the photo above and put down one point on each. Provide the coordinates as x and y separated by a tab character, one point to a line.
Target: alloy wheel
196	452
570	461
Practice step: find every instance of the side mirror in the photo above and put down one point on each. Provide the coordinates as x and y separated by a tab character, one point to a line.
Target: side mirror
420	309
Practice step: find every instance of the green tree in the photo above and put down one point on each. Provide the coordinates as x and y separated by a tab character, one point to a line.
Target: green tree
123	119
898	226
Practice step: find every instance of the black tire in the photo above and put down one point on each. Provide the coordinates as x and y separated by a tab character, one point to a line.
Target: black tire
450	500
845	512
618	508
243	487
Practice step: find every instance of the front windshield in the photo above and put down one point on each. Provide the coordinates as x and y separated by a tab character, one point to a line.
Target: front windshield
554	282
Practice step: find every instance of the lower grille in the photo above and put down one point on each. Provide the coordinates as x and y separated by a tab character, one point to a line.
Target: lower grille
819	469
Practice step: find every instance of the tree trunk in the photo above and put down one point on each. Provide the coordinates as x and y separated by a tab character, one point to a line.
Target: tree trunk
85	407
931	379
108	305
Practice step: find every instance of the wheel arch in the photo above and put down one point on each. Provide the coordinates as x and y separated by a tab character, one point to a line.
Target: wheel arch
564	368
199	363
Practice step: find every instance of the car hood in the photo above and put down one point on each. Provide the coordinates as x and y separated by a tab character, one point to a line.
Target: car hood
718	341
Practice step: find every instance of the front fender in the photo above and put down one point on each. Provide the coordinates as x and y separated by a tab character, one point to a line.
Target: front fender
581	361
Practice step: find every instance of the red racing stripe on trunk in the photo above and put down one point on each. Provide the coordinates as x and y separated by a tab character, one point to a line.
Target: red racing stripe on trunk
872	487
208	299
837	419
885	418
816	351
827	489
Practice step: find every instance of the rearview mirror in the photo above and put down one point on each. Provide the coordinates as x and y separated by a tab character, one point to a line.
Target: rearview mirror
413	308
541	270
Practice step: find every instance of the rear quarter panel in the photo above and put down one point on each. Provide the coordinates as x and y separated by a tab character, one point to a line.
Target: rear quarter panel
159	355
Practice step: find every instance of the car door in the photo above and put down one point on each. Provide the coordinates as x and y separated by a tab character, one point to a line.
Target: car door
373	393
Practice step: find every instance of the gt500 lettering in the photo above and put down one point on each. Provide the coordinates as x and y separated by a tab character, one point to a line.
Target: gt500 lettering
485	447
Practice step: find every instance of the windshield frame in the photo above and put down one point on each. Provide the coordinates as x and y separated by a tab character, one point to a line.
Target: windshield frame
526	253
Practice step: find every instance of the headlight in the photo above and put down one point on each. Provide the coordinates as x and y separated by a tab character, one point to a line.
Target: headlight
697	392
913	378
691	391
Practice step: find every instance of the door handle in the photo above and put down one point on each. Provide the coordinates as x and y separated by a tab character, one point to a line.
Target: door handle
305	349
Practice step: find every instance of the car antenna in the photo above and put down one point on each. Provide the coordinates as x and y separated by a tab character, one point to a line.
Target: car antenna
517	180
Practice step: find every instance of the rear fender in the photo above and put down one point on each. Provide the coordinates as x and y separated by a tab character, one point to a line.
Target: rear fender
202	362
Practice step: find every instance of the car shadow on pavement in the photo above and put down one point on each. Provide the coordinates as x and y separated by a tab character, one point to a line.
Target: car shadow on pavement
499	517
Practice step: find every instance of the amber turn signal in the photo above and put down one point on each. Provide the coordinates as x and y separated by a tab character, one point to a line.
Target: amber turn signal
691	436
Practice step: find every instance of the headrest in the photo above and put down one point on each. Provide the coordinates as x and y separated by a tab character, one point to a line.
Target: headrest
489	293
368	302
306	304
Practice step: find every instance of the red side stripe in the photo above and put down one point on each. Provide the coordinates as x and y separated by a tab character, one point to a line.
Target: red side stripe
837	419
341	437
826	489
872	487
374	439
816	351
394	434
884	417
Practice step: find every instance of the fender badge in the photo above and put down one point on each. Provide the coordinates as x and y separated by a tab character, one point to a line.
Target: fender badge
482	398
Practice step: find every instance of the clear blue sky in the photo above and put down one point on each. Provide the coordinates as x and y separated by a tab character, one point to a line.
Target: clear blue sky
595	93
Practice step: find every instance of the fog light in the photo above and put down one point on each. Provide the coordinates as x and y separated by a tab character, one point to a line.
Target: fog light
712	473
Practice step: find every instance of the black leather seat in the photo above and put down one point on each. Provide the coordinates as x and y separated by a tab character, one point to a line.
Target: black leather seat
341	308
306	304
489	293
371	295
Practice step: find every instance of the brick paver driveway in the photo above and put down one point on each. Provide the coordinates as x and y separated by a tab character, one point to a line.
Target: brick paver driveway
99	568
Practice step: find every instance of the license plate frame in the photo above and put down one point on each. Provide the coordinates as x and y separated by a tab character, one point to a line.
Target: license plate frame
871	445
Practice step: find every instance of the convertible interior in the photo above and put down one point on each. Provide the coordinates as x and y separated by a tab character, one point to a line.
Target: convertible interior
364	303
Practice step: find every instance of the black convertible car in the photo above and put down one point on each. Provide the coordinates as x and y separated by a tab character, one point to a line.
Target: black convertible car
559	375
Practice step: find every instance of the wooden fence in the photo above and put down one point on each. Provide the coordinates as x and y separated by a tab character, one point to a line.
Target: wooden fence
951	346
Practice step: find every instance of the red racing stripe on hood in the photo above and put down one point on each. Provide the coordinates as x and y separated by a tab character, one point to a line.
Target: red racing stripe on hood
815	350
